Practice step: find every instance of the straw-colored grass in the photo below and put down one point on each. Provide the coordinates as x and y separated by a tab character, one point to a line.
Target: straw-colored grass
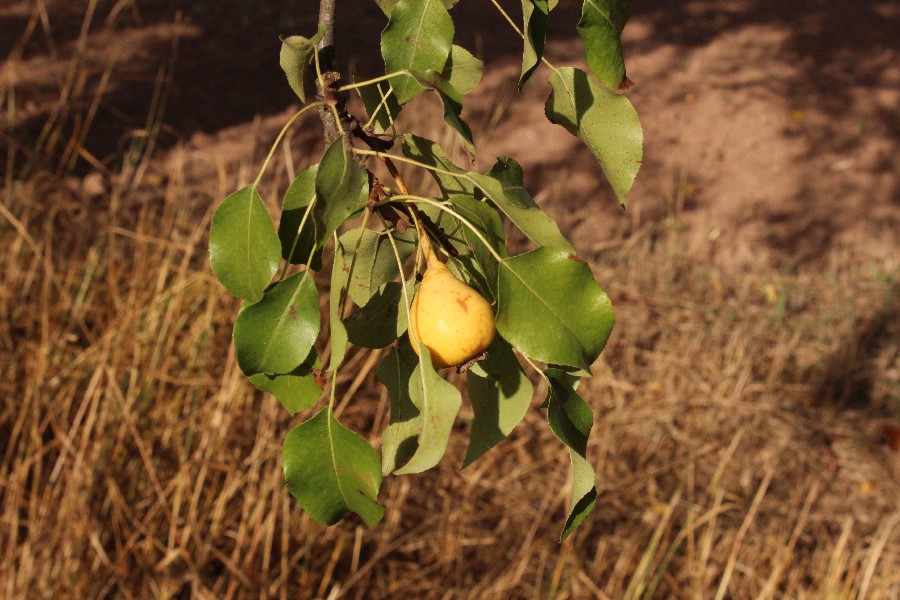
738	443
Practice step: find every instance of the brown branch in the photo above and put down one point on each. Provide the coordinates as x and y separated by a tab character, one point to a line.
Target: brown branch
330	126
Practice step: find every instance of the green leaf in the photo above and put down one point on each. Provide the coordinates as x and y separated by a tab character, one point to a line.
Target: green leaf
600	26
428	152
383	318
342	189
550	308
500	394
297	245
536	16
452	101
387	6
276	334
244	249
332	471
296	390
375	260
400	439
570	420
607	123
336	294
296	53
438	402
488	223
503	185
417	38
463	71
380	101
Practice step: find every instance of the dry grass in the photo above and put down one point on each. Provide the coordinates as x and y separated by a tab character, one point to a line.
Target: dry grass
738	441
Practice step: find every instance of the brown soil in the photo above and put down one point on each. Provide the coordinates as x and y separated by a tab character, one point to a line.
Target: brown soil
746	409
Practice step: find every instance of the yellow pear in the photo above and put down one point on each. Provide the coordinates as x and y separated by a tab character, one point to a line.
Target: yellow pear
448	317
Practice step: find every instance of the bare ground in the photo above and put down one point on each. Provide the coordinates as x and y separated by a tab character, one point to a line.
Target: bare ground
747	407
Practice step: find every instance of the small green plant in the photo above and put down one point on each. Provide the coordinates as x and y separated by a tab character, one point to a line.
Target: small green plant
547	306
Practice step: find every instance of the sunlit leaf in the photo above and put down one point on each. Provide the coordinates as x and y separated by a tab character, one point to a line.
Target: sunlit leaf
387	6
417	38
600	26
535	14
503	186
438	402
500	394
276	334
571	419
607	123
297	245
551	309
296	54
336	295
342	189
244	249
429	153
332	470
400	439
296	390
463	71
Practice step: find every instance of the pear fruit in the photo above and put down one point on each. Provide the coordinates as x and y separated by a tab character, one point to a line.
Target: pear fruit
448	317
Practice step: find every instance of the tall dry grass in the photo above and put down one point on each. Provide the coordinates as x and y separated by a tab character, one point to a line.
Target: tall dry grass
738	441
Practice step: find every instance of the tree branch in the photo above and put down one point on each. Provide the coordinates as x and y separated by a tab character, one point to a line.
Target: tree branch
331	128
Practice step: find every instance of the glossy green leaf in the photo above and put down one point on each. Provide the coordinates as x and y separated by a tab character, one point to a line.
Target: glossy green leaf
418	38
375	260
298	244
244	249
383	318
600	27
381	105
332	470
296	390
296	54
551	309
438	402
342	189
431	154
607	123
571	419
503	185
536	17
276	334
500	393
400	438
463	71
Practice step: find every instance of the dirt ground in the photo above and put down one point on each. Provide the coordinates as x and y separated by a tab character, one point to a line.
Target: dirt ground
747	408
